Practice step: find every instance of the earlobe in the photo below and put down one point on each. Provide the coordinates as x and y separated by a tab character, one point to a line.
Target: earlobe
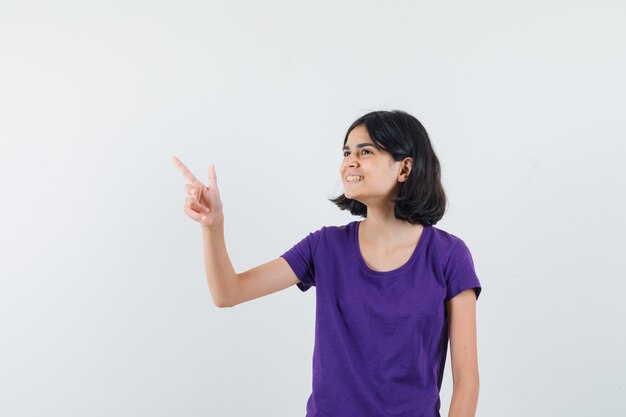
407	167
407	173
403	175
405	170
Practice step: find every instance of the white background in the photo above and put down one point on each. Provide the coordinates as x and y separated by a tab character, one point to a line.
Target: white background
104	307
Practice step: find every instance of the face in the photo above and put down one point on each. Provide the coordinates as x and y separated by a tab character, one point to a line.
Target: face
380	177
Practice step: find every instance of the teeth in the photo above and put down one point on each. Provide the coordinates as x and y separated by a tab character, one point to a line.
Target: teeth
353	178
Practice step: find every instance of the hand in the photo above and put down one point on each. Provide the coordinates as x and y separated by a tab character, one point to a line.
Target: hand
203	203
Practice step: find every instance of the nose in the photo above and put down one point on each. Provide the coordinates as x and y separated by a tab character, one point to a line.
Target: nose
351	161
348	164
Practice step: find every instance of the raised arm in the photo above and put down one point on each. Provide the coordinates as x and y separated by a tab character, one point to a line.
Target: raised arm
228	288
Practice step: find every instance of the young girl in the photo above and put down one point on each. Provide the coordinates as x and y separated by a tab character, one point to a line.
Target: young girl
390	289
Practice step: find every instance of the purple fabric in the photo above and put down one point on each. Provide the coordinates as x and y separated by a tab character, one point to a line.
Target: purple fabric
381	338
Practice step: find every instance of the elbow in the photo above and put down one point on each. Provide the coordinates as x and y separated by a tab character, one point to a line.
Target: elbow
222	303
470	383
224	298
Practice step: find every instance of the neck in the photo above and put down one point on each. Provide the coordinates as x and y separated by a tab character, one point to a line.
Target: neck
381	226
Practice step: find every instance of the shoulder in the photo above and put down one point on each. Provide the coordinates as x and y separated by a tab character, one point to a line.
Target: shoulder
444	243
332	236
457	264
329	235
443	238
336	230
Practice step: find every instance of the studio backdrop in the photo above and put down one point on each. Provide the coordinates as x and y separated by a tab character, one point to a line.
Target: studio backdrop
104	305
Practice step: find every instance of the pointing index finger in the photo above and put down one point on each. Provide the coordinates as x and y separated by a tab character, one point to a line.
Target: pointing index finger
185	170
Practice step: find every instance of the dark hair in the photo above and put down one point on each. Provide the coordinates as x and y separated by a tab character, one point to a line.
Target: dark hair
421	199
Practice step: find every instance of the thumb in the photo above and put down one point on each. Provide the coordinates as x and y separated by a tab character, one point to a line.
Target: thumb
212	177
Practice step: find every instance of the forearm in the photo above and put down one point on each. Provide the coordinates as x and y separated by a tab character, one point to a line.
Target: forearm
220	274
464	398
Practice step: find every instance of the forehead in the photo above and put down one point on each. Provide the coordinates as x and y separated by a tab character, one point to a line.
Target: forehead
358	135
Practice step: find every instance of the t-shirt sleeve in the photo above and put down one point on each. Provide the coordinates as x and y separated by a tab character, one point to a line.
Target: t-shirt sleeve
459	273
301	259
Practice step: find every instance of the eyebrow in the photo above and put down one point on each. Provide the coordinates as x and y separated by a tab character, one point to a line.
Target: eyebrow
360	145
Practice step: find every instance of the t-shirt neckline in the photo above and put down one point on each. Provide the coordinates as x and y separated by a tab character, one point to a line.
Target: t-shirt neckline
355	239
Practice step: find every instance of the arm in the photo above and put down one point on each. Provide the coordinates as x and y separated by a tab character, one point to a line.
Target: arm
268	278
229	288
219	270
463	353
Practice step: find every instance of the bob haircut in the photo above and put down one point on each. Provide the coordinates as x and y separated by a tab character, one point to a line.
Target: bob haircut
421	199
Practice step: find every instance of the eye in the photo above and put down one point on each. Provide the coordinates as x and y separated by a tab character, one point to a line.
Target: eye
364	150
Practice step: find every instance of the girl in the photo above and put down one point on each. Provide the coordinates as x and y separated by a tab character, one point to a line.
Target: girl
391	289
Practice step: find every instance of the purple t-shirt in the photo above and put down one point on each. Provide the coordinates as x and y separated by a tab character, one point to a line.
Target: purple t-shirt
381	338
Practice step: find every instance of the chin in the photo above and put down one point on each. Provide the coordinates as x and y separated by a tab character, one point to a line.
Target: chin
352	197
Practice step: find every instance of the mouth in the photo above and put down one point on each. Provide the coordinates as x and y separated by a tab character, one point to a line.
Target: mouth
354	178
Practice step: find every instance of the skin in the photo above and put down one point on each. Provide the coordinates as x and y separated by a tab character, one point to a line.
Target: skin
383	177
203	202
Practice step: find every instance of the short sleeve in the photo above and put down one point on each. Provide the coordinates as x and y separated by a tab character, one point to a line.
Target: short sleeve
459	273
301	259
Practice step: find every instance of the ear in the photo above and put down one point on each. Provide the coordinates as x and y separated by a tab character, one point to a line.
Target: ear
405	169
